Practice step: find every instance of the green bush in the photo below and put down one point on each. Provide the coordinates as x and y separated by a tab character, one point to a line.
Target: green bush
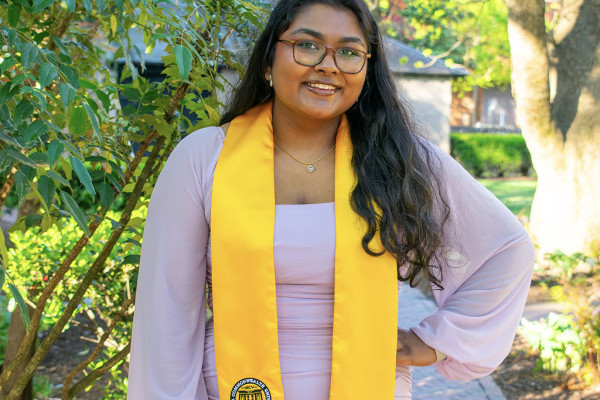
82	159
570	342
491	155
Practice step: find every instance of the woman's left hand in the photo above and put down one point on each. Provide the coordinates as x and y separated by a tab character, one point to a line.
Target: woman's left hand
413	351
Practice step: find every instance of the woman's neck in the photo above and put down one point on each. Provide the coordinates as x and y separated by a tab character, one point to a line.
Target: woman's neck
301	135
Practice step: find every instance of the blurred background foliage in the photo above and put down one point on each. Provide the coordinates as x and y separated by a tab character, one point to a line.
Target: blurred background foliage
464	33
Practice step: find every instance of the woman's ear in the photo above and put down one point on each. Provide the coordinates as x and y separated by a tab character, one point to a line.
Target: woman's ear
268	74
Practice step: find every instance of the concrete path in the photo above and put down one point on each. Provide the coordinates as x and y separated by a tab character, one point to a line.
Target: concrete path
428	384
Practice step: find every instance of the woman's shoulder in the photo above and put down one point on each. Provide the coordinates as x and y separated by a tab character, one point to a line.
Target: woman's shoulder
199	151
203	140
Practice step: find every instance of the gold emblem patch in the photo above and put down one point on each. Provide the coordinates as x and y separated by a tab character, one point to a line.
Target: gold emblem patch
250	389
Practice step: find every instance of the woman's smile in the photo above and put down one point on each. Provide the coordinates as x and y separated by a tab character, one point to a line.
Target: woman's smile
321	89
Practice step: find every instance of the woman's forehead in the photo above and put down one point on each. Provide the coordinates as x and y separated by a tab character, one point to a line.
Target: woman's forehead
327	23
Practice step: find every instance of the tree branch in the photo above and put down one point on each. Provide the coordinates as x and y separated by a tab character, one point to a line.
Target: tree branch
68	392
80	245
434	59
87	280
97	373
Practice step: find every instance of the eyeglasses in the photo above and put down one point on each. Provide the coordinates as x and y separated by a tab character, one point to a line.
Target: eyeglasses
311	53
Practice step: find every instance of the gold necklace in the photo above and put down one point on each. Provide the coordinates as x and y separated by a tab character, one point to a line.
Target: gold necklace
309	165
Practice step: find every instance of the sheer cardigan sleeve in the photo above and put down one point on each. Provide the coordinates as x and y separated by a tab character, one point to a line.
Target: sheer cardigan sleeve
168	330
486	276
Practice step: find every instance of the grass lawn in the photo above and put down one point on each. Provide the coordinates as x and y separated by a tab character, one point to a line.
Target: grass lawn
516	194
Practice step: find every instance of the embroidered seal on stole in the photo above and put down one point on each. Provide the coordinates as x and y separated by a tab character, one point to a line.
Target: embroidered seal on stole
250	389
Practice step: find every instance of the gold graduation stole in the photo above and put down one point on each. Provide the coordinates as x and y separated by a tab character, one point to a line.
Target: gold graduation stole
365	321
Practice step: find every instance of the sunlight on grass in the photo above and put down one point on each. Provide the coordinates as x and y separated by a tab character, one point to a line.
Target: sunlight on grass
516	194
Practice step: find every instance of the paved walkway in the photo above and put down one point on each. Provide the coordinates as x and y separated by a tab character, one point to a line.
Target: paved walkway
428	384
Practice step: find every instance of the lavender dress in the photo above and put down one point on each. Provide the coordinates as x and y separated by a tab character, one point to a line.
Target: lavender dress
486	278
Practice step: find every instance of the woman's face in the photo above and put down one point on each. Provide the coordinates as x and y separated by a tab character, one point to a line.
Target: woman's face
321	91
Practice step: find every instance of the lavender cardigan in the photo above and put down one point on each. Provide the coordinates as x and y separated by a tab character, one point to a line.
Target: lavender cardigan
489	260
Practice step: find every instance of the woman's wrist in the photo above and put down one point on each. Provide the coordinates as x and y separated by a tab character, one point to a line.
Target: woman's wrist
411	350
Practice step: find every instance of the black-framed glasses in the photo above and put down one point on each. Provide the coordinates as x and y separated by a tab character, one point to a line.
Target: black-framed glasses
310	53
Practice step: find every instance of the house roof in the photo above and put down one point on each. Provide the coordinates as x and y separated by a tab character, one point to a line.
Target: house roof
404	60
401	57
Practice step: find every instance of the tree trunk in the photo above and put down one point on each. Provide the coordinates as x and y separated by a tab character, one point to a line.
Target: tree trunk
16	333
16	329
561	126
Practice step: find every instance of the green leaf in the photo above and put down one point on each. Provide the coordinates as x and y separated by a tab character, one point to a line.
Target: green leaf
67	94
37	194
47	74
5	116
79	123
14	11
70	5
19	299
75	211
183	57
41	96
22	111
1	269
71	74
5	160
106	194
5	93
29	53
87	84
96	159
131	259
39	157
17	155
104	98
88	6
134	242
6	64
55	148
36	129
83	175
3	252
32	220
59	43
40	5
47	189
10	140
21	185
93	120
59	178
72	148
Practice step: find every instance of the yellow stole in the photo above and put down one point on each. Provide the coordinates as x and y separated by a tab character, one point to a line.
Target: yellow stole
243	276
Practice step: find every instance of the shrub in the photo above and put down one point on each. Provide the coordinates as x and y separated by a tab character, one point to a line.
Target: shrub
556	339
570	342
491	155
83	145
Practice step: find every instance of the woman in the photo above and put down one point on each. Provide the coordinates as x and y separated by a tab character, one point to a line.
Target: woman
301	214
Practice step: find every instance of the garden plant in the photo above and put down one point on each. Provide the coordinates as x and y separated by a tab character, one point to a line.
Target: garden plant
570	342
82	141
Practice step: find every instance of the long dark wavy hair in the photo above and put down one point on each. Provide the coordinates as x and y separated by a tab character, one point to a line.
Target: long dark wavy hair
397	191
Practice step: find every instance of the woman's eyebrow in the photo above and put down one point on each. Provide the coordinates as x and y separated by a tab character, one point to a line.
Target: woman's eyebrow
320	36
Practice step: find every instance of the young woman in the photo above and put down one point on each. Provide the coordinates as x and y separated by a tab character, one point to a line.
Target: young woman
301	214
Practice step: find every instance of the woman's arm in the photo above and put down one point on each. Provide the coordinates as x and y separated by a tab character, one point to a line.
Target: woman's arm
487	265
168	331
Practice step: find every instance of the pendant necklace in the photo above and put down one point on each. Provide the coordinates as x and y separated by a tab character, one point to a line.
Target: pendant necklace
309	165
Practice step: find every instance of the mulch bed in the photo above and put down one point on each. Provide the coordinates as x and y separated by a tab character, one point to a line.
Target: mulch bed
519	378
